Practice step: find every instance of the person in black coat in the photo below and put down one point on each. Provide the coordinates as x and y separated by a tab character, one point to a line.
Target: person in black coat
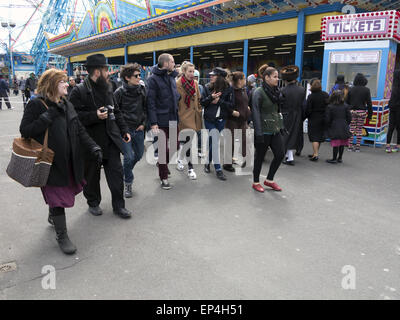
66	137
292	111
94	101
4	90
162	107
394	113
131	100
359	99
218	102
317	102
337	119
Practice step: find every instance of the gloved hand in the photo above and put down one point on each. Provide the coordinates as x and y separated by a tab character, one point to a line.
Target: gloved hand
50	115
98	155
258	139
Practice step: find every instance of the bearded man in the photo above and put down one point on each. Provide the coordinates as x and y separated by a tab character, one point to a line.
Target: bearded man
94	102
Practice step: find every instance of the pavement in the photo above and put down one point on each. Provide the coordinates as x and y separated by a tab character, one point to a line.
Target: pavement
332	233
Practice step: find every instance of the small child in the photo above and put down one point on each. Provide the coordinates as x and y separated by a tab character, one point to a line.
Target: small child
338	119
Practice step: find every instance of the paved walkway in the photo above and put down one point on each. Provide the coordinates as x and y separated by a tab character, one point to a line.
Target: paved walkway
208	239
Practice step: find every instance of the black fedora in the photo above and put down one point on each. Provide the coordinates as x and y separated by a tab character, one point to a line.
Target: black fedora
96	60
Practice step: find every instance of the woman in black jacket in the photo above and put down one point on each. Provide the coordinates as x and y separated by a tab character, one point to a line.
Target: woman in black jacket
66	137
337	118
317	102
218	103
394	113
359	99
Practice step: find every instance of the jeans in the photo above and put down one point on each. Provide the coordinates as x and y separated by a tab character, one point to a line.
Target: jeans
213	142
133	152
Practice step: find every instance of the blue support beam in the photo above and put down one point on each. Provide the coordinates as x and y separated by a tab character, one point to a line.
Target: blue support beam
245	56
300	42
191	54
70	68
126	54
154	58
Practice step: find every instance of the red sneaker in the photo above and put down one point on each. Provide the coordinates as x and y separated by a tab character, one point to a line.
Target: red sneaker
258	187
272	185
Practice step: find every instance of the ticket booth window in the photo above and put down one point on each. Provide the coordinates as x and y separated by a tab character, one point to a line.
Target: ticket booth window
349	63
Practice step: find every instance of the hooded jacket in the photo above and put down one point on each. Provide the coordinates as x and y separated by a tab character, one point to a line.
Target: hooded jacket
162	97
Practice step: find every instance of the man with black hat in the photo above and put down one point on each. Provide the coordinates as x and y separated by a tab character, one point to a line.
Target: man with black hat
292	111
94	101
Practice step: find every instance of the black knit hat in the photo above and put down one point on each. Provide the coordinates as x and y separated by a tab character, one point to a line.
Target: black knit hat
96	60
290	73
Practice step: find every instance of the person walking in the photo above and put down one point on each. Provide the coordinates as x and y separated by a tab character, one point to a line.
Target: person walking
394	114
201	88
4	91
218	102
131	100
317	102
66	137
339	84
359	99
21	86
337	119
71	85
30	86
189	112
239	121
94	101
292	111
268	124
162	107
15	86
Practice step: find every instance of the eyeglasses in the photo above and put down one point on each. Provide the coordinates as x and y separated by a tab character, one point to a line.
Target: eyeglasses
136	75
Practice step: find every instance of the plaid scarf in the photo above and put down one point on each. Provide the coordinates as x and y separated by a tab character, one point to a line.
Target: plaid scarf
190	90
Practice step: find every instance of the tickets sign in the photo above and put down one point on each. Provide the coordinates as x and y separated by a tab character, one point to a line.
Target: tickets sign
361	26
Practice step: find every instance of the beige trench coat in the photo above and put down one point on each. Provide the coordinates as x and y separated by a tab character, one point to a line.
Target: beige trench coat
189	118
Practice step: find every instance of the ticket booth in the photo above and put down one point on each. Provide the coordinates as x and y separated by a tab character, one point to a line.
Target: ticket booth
363	43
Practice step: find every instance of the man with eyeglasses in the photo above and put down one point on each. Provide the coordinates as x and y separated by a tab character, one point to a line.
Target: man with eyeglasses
131	100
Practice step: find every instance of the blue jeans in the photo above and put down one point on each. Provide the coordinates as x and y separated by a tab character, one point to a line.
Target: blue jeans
213	143
133	152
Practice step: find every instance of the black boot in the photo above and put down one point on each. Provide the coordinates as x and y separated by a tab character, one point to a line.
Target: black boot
60	225
50	218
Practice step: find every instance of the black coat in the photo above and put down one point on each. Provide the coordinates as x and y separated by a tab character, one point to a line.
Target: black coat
292	111
132	103
67	137
337	120
226	104
162	97
315	112
87	98
359	98
394	102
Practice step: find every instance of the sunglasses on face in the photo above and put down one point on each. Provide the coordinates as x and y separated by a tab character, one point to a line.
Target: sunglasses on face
136	75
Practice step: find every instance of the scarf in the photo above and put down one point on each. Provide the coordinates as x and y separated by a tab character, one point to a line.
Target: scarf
272	93
190	90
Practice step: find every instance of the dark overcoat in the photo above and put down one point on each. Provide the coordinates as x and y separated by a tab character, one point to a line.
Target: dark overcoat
67	137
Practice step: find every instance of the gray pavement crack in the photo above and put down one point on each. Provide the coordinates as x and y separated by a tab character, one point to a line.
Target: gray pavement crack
2	290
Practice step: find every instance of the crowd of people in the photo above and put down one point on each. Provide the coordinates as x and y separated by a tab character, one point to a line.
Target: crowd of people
95	122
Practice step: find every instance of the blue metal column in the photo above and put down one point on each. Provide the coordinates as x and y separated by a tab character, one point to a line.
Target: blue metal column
245	56
70	69
300	42
154	58
191	54
126	54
